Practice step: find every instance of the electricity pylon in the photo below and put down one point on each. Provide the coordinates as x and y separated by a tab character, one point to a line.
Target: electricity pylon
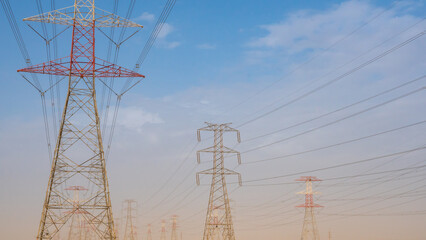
310	228
130	232
117	225
215	234
79	155
77	220
174	228
149	233
218	200
163	230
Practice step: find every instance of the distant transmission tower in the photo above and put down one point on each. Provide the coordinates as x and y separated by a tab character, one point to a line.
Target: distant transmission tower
310	229
77	221
130	232
149	233
174	235
218	218
163	230
79	154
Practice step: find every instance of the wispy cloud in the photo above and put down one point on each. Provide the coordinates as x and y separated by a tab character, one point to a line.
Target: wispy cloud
311	29
163	42
146	16
206	46
166	29
308	32
170	45
135	118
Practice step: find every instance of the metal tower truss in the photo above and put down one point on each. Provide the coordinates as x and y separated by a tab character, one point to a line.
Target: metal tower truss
218	219
163	230
79	154
130	231
149	233
310	228
174	235
77	219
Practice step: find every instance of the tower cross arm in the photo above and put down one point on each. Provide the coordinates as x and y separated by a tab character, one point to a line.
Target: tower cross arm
61	67
107	19
229	150
208	150
314	205
84	16
212	171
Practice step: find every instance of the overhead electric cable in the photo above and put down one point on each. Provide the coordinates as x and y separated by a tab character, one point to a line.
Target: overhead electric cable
334	80
338	144
339	165
322	51
23	49
339	109
338	120
151	40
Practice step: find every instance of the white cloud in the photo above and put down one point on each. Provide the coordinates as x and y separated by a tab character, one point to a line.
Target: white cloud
170	45
146	16
206	46
305	33
309	29
166	29
163	42
135	118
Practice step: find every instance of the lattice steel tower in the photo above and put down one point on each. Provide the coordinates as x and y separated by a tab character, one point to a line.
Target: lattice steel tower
174	235
163	230
79	155
77	222
130	231
149	233
218	218
310	228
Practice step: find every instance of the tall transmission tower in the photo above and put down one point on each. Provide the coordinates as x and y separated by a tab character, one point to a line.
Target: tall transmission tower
163	230
117	226
79	154
130	231
310	228
174	235
218	218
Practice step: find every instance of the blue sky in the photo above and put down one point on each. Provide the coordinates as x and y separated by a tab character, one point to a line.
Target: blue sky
209	64
228	27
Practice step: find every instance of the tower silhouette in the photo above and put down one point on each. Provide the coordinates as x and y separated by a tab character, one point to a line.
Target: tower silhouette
174	235
163	230
149	233
76	228
218	218
78	157
310	228
130	231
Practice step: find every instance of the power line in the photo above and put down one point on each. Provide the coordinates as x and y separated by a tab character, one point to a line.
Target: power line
339	143
343	177
24	52
340	165
338	120
339	109
334	80
300	66
153	36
